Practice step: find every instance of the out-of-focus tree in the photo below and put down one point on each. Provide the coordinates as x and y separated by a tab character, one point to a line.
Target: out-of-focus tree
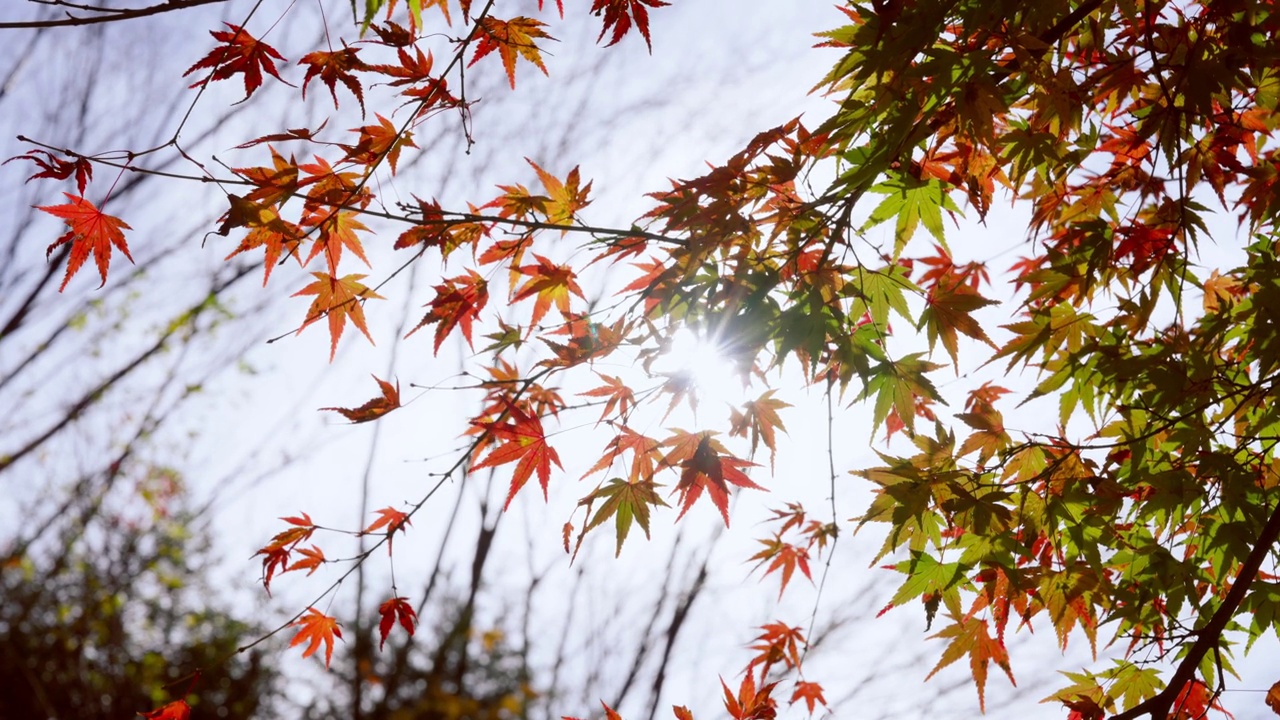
97	617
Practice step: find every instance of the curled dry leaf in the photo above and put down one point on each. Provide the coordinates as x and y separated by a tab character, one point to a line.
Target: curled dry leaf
375	408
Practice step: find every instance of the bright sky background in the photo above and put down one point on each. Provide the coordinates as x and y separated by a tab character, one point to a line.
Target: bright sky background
719	73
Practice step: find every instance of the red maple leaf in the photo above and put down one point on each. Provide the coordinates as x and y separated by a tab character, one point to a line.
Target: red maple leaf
618	14
458	303
706	469
239	53
750	703
332	68
524	443
391	519
176	710
395	609
92	232
785	557
778	643
52	166
1194	701
290	134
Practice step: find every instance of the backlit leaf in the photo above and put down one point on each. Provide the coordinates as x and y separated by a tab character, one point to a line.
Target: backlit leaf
375	408
239	54
92	232
511	38
338	299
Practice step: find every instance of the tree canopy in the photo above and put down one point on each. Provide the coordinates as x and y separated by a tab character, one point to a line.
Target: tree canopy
1132	338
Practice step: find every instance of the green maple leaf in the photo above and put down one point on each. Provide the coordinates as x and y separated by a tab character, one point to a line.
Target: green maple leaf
912	202
625	502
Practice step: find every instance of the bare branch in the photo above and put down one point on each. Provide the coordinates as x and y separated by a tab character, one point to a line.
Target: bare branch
109	15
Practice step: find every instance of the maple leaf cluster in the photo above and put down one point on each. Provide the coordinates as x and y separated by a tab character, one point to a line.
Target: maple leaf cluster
1146	504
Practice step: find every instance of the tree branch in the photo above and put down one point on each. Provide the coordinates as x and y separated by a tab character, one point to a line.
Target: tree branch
1158	707
114	16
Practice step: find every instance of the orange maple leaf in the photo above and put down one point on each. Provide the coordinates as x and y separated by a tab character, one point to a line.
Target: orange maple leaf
397	608
333	67
176	710
645	453
785	557
313	559
379	141
778	643
267	230
375	408
511	38
337	229
551	283
524	443
276	553
92	232
971	636
750	703
760	417
331	187
239	53
391	519
338	299
274	184
810	692
619	396
564	199
316	628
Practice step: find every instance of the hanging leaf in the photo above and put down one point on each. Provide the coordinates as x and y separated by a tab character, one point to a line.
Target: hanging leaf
337	299
511	38
317	629
92	232
392	611
239	54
